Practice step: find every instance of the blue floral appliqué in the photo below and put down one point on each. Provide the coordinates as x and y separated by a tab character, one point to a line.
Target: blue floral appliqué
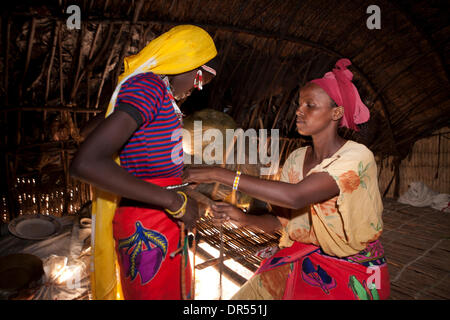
143	252
316	276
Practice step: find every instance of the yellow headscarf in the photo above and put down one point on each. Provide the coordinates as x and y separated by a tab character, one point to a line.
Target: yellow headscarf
181	49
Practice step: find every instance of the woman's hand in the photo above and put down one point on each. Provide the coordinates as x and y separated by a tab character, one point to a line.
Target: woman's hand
191	215
223	211
200	175
191	212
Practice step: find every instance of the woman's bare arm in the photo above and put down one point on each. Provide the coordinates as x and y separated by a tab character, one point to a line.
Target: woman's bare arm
94	164
315	188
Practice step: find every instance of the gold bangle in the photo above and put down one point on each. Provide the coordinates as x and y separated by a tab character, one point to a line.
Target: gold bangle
180	212
180	215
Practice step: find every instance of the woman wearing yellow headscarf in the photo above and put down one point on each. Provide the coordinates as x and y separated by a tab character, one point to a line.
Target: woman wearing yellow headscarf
131	157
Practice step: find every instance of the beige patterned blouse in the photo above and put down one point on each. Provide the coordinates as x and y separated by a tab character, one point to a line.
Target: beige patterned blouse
345	224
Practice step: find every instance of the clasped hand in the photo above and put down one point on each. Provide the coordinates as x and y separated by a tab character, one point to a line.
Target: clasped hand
223	212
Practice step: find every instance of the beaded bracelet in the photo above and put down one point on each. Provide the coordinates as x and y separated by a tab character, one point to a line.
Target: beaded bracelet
180	212
236	180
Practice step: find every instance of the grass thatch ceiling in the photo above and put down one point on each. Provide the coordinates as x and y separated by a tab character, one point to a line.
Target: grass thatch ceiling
267	50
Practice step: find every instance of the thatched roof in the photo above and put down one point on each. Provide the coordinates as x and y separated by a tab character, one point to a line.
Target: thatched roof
267	49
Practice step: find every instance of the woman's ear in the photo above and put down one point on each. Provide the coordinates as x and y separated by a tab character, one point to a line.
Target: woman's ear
338	112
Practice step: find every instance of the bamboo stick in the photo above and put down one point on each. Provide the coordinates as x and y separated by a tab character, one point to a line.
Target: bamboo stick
9	190
183	268
221	262
7	47
28	56
65	187
55	39
19	128
229	273
131	29
253	117
61	84
194	253
87	71
49	109
240	88
77	77
40	75
108	61
106	5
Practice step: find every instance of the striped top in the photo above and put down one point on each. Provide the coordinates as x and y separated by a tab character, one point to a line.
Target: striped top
155	148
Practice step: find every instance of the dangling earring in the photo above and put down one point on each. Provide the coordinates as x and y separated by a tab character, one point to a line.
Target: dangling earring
198	81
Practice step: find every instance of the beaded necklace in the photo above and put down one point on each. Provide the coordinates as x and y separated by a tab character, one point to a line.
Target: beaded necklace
172	99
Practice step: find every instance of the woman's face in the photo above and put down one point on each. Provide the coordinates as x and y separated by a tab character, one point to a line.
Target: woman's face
315	112
183	83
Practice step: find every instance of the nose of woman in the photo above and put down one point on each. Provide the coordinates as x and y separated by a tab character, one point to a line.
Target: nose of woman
299	112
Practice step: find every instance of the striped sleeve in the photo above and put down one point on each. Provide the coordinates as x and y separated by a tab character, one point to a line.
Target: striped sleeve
144	93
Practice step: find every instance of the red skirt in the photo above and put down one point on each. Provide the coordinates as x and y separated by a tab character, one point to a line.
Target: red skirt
313	275
145	238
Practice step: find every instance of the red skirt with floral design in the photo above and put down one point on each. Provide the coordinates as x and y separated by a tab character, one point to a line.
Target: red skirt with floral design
306	273
145	237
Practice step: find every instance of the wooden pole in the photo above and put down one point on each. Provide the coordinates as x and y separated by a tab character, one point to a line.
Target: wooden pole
49	109
397	163
77	77
229	273
194	252
10	190
28	56
183	268
50	67
61	83
108	61
132	27
221	262
7	46
87	71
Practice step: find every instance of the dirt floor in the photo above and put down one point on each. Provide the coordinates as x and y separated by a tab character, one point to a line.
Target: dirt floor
417	248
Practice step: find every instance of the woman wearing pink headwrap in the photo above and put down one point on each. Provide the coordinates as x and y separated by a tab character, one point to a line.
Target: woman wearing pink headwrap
327	205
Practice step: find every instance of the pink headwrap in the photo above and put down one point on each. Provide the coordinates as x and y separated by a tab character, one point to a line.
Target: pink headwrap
338	85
